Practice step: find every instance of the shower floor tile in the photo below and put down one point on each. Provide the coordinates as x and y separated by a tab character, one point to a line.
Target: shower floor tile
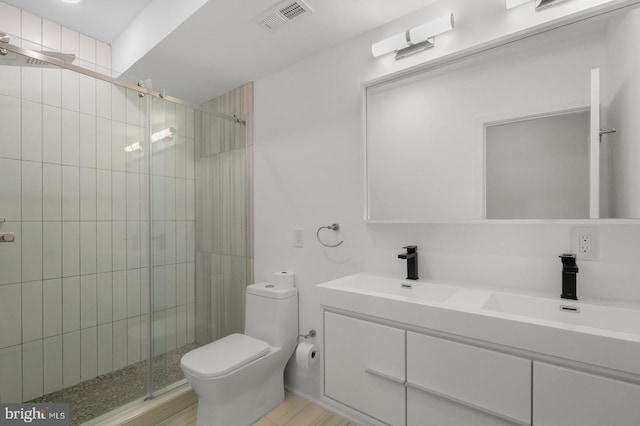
102	394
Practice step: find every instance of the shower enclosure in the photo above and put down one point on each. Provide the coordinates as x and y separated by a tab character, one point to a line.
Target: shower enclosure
98	191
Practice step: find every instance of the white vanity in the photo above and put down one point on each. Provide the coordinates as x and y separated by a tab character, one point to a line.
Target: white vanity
425	353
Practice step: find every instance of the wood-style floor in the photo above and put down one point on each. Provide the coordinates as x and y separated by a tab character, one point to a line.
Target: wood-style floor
294	411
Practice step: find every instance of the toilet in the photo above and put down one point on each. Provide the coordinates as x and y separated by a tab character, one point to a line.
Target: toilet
240	378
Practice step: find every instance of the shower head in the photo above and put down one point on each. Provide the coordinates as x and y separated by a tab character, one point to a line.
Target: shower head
10	58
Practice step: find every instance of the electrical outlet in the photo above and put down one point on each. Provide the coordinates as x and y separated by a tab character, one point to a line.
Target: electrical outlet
584	243
298	238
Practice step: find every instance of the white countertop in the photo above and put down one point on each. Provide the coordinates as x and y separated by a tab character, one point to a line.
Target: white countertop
602	334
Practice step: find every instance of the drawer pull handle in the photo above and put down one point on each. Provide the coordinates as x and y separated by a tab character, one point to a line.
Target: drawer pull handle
467	404
384	376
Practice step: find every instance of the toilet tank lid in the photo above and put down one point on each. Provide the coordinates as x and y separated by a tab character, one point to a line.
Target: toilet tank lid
224	355
269	290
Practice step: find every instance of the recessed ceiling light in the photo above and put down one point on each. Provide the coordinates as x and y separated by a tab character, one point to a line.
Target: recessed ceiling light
72	1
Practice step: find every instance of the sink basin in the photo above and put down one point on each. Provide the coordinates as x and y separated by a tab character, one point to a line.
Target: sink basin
576	313
413	291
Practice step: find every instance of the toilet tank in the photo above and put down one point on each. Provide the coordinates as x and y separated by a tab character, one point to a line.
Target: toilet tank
271	314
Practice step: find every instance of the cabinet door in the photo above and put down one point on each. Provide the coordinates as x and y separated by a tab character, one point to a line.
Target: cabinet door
562	396
364	367
457	384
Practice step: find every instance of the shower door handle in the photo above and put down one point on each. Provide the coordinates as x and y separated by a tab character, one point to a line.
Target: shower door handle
7	237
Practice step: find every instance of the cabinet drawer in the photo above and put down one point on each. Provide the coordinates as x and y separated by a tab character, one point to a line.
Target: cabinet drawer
483	380
364	367
567	397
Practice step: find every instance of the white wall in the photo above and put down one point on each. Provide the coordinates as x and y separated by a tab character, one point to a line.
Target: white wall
309	173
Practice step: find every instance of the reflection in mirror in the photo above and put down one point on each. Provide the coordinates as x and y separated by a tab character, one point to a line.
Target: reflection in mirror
432	153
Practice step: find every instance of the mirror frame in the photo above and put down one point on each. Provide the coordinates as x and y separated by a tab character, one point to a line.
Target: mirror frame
616	7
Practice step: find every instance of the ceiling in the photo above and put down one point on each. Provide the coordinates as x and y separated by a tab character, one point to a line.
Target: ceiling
221	46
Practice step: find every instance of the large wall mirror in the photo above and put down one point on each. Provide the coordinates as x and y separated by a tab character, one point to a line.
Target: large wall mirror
522	131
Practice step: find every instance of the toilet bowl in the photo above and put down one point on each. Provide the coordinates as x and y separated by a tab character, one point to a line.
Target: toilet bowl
240	378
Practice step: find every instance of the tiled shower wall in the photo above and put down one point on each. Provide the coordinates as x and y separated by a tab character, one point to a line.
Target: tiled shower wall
224	248
73	286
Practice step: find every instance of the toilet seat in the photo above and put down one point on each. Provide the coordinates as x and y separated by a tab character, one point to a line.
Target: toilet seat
223	356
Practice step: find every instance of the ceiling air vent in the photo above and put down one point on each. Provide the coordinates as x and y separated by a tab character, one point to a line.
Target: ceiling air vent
283	13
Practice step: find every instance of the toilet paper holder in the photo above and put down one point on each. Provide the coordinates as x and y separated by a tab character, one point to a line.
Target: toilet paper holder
311	333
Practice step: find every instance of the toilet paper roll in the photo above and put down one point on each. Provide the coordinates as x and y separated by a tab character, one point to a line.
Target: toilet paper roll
283	279
307	354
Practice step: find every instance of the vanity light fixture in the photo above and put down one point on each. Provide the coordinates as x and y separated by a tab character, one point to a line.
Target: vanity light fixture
71	1
414	40
161	135
539	4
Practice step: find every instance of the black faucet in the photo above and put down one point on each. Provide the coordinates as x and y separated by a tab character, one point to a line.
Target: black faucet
569	271
412	261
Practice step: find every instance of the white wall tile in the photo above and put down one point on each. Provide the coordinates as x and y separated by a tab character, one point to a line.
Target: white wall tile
181	242
158	206
133	340
170	329
191	238
119	295
144	291
181	284
71	359
103	54
10	188
118	104
133	244
88	95
132	107
10	137
70	193
51	203
119	245
144	337
169	197
88	247
70	90
31	131
190	123
133	196
52	364
10	315
159	243
103	99
31	27
70	249
10	366
133	293
159	292
51	250
190	159
191	319
10	78
169	154
70	304
181	199
87	49
88	129
104	257
31	84
135	134
159	332
191	199
119	195
181	326
88	194
70	42
105	349
52	307
11	256
51	35
103	143
88	301
52	87
32	370
32	311
89	353
31	191
10	20
31	251
104	195
119	344
191	282
105	298
144	244
118	143
70	138
51	134
170	285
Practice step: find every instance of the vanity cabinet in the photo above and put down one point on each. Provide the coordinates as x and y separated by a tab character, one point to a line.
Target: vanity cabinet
364	367
456	384
562	396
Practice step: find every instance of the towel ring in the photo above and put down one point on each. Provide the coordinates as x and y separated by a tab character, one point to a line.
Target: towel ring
333	227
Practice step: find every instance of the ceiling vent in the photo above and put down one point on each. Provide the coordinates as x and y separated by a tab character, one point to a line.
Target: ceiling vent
284	12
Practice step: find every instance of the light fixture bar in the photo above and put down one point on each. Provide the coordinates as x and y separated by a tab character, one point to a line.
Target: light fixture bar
414	40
